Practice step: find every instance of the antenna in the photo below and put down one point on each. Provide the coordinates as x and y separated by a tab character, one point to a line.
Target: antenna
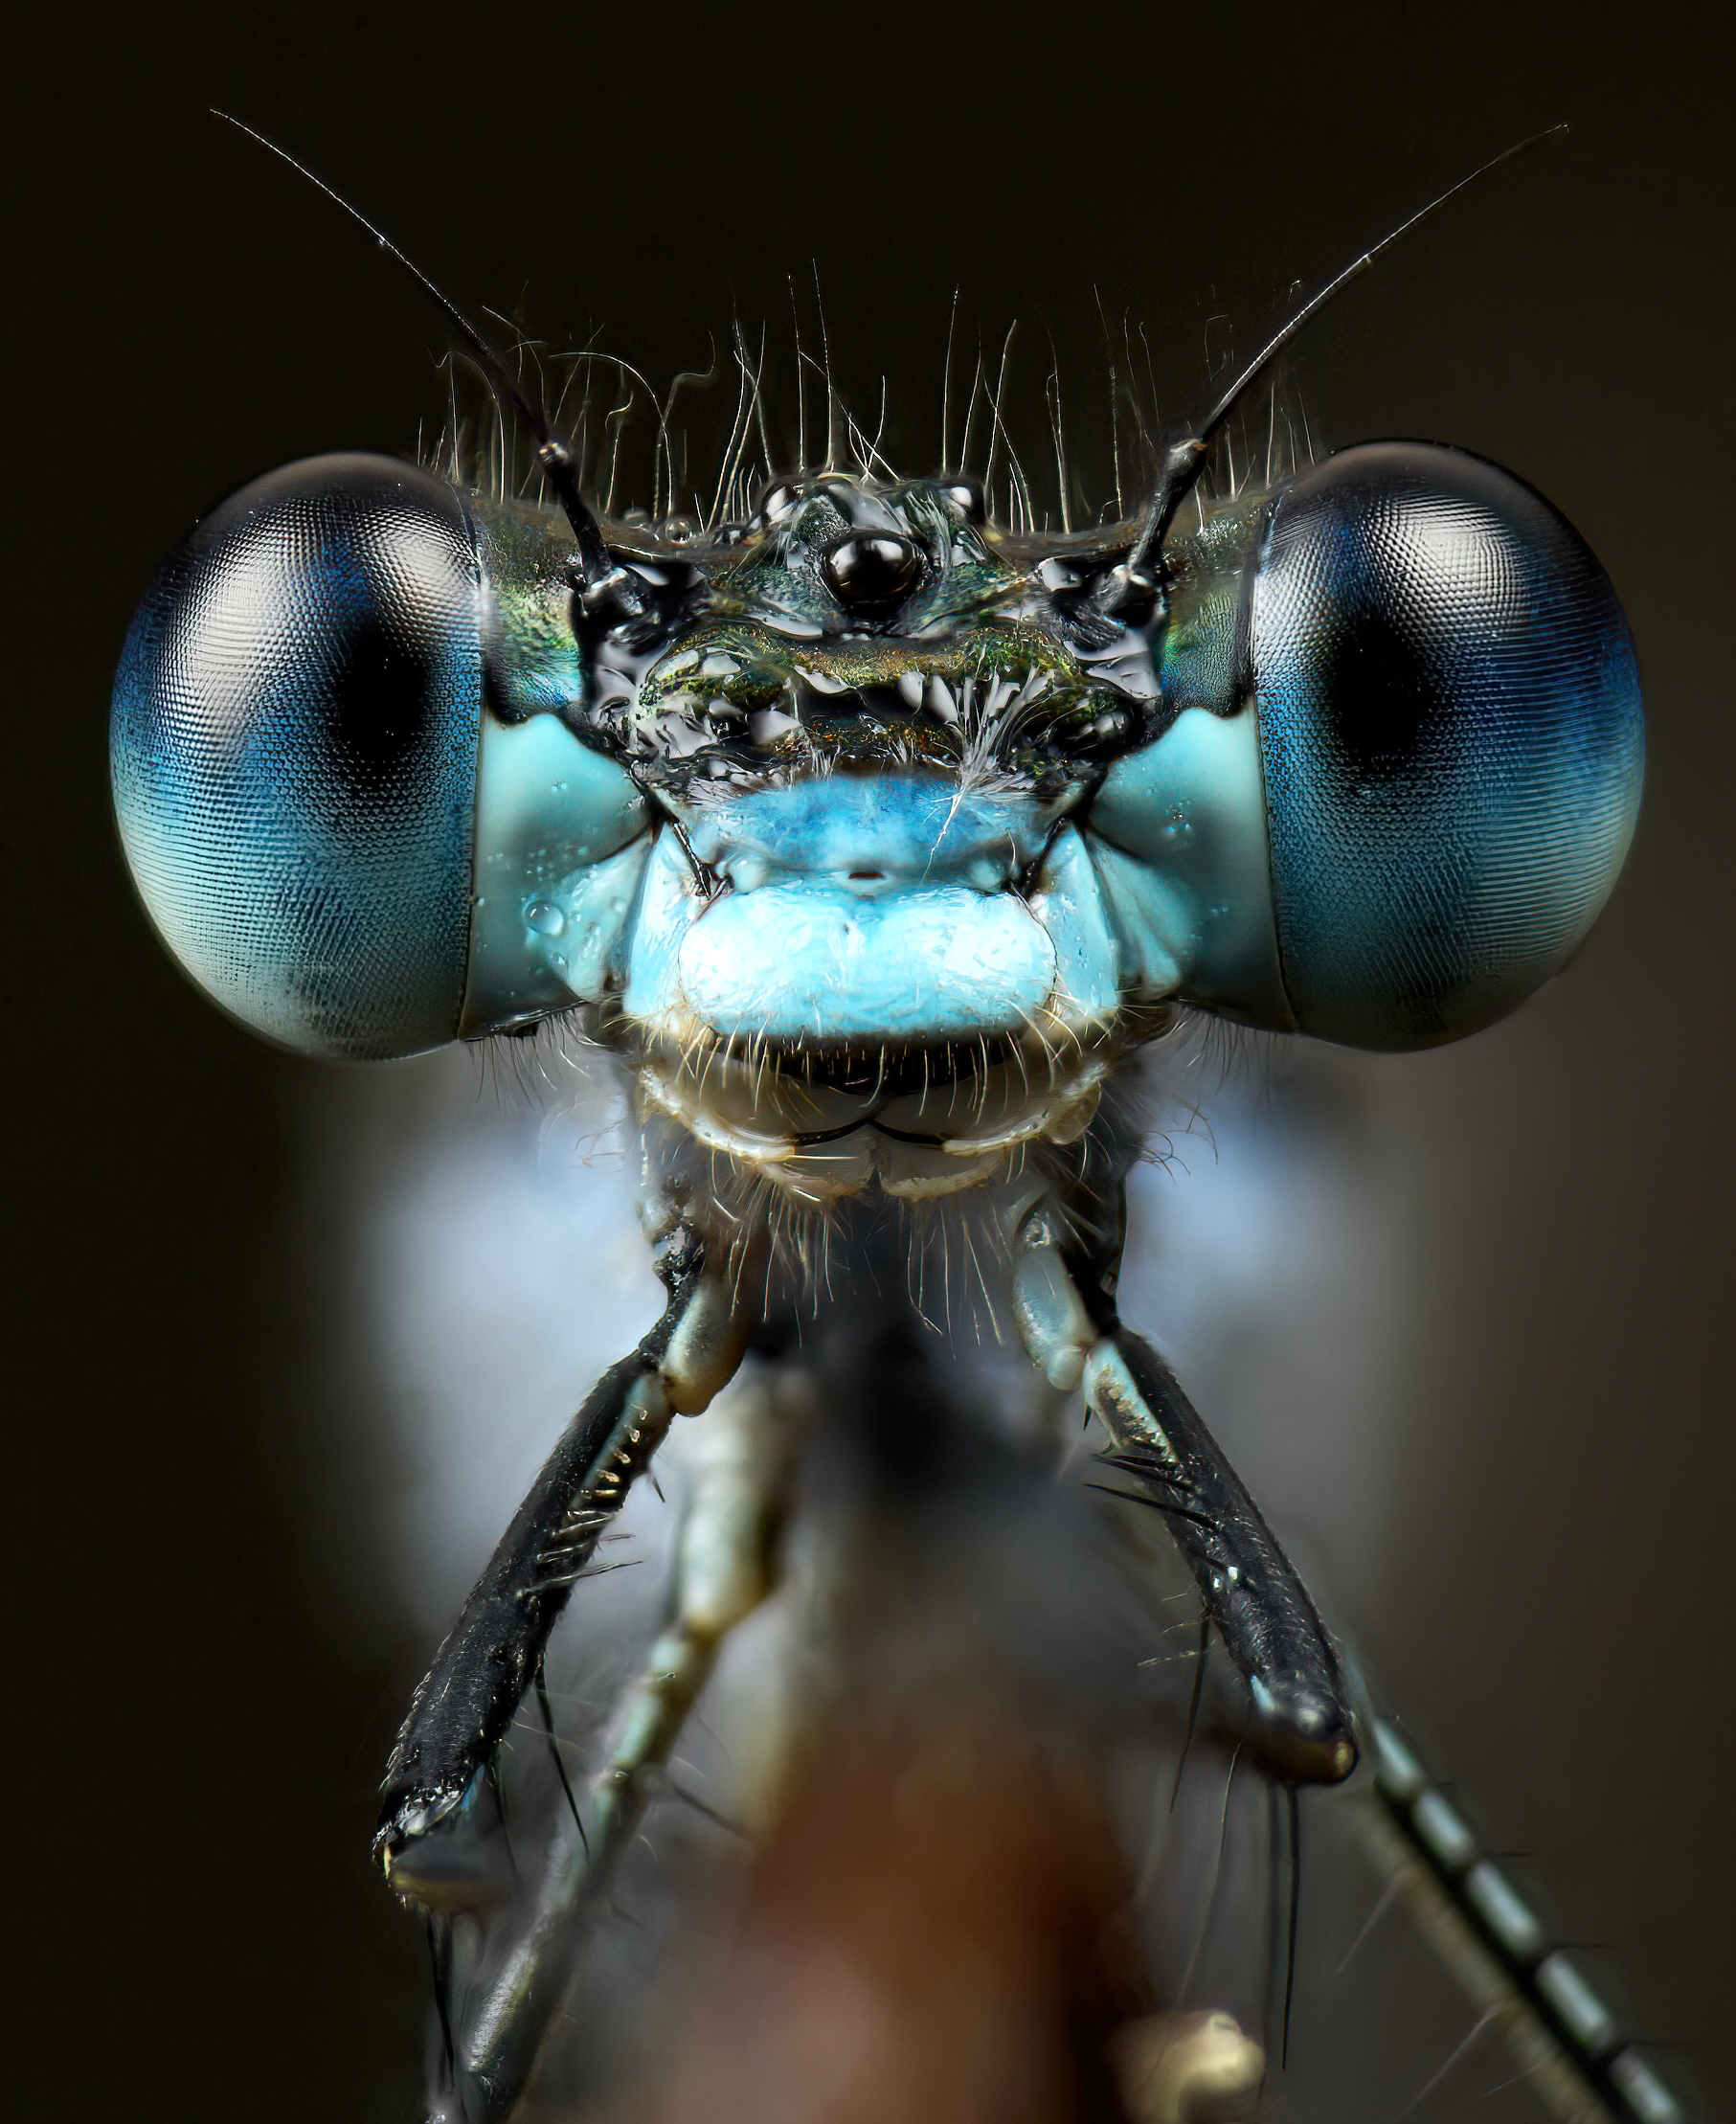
1142	574
600	581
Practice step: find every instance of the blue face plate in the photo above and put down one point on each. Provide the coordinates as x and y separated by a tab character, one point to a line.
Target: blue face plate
859	908
872	838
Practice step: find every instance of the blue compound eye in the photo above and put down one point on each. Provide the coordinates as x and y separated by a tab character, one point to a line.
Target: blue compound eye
295	740
1451	739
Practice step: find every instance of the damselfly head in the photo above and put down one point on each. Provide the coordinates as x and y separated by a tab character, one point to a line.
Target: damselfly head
867	955
870	832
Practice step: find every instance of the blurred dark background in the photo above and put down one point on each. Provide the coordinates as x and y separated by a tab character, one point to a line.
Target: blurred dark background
200	1734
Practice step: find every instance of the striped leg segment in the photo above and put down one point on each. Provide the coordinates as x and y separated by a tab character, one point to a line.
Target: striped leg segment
469	1696
1562	2035
1302	1723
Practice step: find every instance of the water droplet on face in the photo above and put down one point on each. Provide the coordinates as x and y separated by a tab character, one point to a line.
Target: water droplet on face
545	918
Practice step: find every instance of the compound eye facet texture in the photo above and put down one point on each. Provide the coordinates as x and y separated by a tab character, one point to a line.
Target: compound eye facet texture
294	746
1450	738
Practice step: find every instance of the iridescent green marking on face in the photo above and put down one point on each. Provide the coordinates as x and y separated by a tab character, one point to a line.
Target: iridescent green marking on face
532	655
1203	644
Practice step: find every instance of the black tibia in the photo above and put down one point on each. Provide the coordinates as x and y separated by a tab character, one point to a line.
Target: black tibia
1067	1254
1303	1724
467	1698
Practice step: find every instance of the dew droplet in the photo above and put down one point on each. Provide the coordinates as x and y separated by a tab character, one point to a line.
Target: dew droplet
545	918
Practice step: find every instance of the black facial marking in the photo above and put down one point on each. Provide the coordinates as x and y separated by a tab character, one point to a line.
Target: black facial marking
863	624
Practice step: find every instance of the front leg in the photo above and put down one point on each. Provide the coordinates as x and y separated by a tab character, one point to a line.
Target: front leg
470	1694
1303	1719
723	1570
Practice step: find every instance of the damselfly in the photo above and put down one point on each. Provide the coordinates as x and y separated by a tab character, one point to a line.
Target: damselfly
875	834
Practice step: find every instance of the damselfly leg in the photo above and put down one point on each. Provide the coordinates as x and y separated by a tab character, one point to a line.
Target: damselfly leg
467	1698
1301	1715
490	2038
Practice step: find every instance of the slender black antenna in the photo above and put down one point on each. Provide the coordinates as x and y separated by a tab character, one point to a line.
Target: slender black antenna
554	455
1142	574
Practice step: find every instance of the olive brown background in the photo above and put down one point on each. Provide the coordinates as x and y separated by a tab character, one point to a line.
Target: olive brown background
199	1730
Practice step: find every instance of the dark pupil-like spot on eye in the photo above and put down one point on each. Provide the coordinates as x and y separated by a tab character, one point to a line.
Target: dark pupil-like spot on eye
380	708
873	568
